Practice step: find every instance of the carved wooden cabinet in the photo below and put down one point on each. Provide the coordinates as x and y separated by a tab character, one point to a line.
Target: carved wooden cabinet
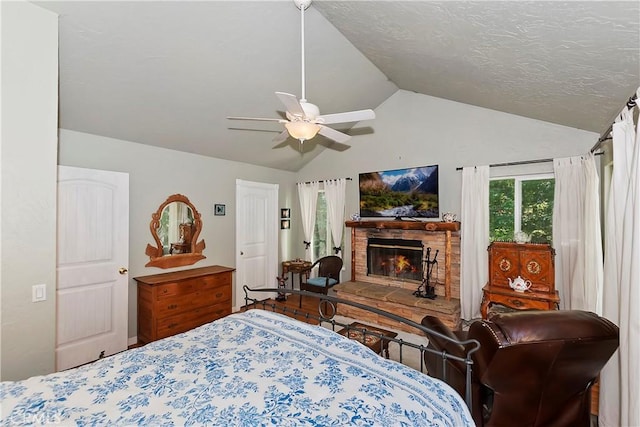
175	302
531	261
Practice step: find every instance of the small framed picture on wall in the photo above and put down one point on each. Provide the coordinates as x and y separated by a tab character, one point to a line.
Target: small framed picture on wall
219	210
285	224
285	213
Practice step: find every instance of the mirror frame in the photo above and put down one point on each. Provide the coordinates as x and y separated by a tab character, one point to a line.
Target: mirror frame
155	253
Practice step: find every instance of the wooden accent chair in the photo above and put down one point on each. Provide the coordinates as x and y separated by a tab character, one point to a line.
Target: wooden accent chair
533	368
328	275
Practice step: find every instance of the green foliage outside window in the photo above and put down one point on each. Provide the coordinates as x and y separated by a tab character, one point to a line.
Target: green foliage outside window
501	209
322	241
536	209
320	231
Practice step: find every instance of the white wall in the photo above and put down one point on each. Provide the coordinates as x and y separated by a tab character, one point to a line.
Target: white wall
418	130
156	173
28	188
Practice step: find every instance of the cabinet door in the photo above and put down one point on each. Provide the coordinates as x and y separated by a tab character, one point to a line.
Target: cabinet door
504	263
537	266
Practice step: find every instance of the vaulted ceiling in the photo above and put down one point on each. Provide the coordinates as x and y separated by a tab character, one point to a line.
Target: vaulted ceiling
168	73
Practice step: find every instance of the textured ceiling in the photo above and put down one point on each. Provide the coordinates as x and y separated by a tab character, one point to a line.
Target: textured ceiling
561	62
169	73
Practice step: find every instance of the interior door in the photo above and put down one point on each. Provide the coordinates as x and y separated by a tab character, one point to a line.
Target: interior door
93	255
256	237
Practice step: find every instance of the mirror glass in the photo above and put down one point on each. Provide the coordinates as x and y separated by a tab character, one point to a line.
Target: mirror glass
175	228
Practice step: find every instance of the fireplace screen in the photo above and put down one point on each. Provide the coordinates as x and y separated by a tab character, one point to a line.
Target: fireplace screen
397	258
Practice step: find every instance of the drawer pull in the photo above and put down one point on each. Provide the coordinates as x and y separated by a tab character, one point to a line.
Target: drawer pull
172	325
219	294
517	303
172	306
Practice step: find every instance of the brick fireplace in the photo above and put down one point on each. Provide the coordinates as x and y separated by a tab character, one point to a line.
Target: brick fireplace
439	236
386	269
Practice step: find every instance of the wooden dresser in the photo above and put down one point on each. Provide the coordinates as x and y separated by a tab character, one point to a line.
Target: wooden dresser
175	302
531	261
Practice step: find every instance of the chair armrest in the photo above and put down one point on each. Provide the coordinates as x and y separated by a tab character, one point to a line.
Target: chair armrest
433	361
311	267
443	344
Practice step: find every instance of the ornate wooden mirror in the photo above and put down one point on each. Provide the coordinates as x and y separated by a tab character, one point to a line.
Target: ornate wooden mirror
175	227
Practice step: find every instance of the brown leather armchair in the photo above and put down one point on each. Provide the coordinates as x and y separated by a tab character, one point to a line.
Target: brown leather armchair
328	275
533	368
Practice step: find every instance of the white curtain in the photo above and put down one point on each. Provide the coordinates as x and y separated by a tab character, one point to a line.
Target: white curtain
474	239
576	233
334	191
308	195
620	379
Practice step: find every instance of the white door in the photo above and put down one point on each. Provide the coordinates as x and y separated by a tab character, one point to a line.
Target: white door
256	237
93	255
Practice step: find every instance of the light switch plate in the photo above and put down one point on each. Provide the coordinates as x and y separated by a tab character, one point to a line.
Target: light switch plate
38	293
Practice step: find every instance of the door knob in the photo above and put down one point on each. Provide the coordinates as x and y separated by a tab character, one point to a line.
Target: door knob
241	253
122	270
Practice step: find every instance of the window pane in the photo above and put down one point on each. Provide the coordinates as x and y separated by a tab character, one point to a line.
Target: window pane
537	209
501	199
320	243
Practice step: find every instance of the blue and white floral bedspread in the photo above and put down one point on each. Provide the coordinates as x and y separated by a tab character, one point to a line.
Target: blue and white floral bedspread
248	369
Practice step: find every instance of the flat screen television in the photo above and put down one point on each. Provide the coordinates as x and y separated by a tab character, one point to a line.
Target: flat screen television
400	193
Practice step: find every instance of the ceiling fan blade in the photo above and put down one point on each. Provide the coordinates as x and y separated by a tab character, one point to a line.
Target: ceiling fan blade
333	145
260	119
333	134
291	103
281	137
350	116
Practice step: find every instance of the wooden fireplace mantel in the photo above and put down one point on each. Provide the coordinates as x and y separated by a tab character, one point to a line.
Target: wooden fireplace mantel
427	226
406	225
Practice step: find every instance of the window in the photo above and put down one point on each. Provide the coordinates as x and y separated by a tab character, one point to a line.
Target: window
522	203
322	242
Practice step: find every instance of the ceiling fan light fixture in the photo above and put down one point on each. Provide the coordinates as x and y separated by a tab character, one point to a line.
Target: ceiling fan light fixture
302	130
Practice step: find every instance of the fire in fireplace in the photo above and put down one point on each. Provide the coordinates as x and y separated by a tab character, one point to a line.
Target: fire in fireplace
396	258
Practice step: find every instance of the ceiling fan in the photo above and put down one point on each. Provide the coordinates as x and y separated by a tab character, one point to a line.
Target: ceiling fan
304	120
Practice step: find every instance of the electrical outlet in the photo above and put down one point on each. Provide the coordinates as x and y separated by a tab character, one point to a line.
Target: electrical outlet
38	293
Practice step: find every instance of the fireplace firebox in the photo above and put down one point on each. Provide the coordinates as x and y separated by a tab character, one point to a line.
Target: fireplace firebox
395	258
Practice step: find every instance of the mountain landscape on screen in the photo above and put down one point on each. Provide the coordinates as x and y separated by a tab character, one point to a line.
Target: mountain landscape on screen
400	193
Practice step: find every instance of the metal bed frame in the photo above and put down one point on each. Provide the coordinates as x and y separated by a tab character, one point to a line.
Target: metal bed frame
328	309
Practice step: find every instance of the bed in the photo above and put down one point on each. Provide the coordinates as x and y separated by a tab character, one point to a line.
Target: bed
247	369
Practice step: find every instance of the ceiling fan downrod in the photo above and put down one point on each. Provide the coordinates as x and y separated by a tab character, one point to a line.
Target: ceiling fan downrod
302	5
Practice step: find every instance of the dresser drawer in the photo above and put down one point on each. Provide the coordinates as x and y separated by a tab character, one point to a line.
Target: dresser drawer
520	303
193	300
176	289
185	321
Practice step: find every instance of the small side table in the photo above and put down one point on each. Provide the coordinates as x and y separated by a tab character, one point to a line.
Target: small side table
296	266
372	338
527	300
